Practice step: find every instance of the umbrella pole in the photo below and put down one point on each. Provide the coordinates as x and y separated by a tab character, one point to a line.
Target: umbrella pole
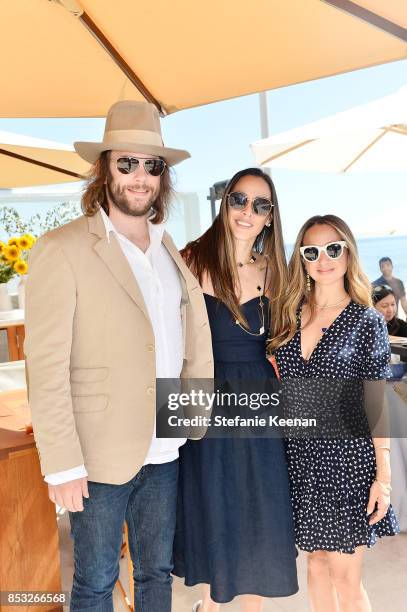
264	121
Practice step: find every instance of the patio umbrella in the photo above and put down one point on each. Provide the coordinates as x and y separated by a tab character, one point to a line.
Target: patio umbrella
74	58
28	161
370	137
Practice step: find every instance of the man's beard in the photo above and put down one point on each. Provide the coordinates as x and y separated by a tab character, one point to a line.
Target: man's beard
119	197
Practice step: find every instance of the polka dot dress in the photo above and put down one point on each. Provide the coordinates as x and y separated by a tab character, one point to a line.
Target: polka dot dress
330	478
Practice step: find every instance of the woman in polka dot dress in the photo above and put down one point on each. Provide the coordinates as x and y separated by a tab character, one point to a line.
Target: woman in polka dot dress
340	486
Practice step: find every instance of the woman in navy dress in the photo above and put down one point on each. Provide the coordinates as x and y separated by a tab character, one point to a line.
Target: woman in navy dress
340	486
234	526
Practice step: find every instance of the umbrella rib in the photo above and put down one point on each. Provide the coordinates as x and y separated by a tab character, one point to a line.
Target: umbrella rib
42	164
370	17
286	151
399	129
369	146
119	61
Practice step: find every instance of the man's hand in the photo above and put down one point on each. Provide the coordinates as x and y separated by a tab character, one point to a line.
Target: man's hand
70	494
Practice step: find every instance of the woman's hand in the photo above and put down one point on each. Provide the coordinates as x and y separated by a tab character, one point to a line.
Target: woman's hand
380	494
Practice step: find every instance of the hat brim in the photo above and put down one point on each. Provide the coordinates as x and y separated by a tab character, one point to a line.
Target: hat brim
90	151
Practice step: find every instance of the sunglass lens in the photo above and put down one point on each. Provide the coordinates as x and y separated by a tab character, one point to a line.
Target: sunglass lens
311	253
334	250
261	206
155	167
127	165
237	200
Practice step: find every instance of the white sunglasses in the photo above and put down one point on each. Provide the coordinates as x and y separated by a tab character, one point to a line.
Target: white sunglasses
333	250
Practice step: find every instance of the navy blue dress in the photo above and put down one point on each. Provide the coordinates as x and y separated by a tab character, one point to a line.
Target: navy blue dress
331	478
234	524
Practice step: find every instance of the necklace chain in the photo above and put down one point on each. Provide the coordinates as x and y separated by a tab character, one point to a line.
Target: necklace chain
262	320
332	305
251	261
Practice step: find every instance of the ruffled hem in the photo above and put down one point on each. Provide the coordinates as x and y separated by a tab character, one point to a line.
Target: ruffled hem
348	551
324	522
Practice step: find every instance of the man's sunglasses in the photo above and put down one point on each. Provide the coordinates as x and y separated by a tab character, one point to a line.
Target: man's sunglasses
333	250
127	165
238	201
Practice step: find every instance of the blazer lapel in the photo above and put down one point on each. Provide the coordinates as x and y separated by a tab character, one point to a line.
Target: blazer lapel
113	257
184	272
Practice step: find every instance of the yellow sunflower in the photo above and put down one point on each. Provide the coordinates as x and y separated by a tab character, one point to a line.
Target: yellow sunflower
2	245
24	242
11	253
21	266
13	242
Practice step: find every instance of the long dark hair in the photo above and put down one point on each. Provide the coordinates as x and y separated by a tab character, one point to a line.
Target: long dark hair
94	195
214	252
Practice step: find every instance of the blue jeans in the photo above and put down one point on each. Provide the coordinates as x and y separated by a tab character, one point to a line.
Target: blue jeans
148	503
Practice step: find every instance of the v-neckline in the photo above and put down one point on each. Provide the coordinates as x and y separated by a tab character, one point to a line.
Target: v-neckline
326	333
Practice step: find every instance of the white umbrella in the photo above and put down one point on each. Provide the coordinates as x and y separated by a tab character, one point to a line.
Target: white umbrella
26	161
370	137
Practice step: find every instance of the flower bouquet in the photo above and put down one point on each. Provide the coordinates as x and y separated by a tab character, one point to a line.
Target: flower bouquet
13	260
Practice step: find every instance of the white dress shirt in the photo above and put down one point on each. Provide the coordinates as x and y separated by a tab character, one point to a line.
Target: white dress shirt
158	279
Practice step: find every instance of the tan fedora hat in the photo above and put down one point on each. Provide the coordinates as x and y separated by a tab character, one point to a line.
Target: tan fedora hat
131	126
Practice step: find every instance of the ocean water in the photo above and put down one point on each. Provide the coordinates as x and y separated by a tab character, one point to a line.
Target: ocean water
372	249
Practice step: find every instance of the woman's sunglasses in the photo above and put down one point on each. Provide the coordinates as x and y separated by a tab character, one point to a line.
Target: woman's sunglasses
333	250
380	288
238	201
127	165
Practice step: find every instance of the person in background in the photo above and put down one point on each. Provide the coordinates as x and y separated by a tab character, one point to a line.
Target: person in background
397	285
384	301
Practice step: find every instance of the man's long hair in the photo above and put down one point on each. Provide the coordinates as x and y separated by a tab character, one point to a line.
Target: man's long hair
94	196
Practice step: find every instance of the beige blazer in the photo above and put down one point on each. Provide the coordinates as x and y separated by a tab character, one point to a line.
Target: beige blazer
90	354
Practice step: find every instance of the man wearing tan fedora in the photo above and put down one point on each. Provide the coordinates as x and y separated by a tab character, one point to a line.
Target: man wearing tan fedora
111	307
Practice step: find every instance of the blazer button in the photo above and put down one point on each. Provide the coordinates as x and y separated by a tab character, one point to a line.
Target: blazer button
150	348
150	391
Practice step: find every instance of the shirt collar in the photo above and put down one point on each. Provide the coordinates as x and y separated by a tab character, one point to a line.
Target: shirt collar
156	231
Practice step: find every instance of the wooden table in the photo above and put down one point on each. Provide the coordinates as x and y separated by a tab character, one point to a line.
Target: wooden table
13	323
29	544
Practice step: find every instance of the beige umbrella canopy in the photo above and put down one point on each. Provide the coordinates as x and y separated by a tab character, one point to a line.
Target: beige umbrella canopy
28	161
367	138
75	58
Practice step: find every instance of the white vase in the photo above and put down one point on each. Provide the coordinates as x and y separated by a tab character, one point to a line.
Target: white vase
5	299
21	291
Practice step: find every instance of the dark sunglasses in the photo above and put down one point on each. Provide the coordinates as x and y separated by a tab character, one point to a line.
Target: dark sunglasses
127	165
238	201
333	250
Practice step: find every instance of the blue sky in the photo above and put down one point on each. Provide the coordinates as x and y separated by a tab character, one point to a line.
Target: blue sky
218	137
